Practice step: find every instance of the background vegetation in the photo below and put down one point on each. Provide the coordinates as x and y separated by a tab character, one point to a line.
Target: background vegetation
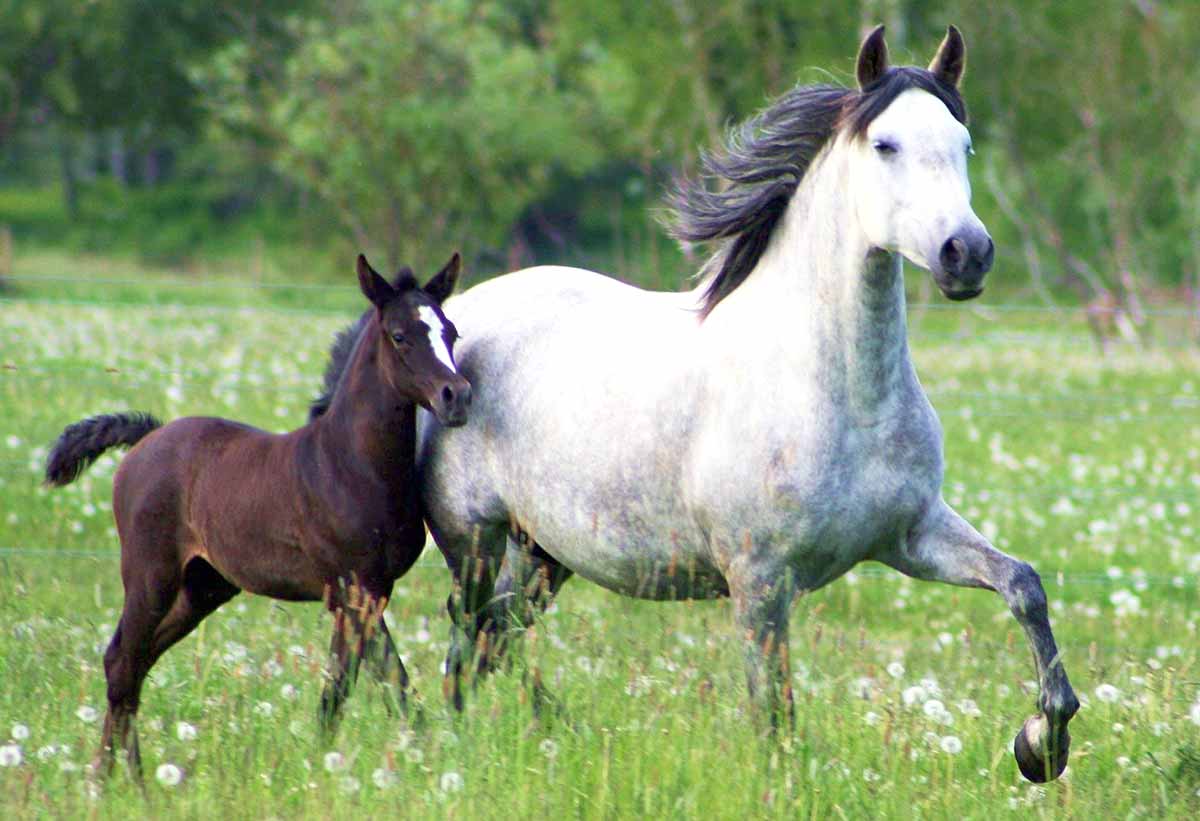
270	138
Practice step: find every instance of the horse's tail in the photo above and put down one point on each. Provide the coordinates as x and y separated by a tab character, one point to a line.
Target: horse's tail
82	443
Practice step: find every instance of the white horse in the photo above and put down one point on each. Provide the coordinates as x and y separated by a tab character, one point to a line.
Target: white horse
756	437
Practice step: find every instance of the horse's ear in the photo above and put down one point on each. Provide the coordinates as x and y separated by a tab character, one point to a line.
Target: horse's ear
374	287
442	284
872	58
951	58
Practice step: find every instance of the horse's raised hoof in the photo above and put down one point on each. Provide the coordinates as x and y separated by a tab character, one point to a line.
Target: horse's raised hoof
1033	757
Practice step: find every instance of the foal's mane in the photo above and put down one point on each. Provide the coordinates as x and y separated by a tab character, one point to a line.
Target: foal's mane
763	161
341	352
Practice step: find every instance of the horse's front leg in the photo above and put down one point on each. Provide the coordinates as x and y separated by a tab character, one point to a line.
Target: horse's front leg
944	547
357	617
383	660
762	599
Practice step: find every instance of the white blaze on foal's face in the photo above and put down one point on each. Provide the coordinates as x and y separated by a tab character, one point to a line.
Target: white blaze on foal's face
909	180
437	336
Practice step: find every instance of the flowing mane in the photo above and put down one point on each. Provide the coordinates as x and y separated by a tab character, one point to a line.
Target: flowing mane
763	161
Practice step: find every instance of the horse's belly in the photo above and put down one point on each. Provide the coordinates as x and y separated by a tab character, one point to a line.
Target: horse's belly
647	550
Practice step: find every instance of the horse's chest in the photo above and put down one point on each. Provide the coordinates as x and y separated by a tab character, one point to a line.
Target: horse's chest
840	489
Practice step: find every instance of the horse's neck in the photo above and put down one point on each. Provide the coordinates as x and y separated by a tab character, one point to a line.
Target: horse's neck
832	305
368	418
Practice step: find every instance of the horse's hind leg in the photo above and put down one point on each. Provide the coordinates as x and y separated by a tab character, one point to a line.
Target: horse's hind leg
529	580
150	589
203	591
944	547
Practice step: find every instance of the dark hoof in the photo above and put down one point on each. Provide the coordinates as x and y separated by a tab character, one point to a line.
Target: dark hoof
1036	762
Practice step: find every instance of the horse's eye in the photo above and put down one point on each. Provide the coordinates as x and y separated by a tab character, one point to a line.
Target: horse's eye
885	148
398	338
970	151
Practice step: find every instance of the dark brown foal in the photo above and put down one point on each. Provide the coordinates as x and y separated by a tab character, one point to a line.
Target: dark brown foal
206	507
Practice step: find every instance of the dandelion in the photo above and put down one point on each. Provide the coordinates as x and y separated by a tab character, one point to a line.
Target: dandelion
289	692
895	670
951	744
914	695
1107	693
870	776
548	748
1194	713
384	778
872	718
86	713
186	732
1123	761
969	708
349	784
264	708
10	755
414	755
334	761
451	782
168	775
20	732
861	687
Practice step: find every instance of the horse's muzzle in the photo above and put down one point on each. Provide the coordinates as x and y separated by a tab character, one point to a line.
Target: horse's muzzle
451	403
964	262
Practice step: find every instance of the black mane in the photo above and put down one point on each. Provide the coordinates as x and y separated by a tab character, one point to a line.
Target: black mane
764	160
339	356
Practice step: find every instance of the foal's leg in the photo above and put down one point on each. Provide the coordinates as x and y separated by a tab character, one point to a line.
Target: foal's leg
383	660
357	628
762	599
150	589
944	547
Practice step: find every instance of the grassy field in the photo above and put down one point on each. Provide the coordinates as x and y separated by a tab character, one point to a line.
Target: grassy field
908	694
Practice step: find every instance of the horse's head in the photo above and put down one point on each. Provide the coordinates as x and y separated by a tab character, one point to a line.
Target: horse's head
417	344
909	175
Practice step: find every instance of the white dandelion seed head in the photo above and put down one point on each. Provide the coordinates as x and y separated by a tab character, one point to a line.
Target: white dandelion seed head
951	744
86	713
895	670
1107	693
548	748
264	708
1194	713
20	732
334	761
349	784
384	778
168	775
450	782
185	731
289	692
914	695
872	718
10	755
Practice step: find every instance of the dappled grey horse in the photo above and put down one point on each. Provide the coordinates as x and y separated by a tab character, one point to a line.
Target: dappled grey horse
758	436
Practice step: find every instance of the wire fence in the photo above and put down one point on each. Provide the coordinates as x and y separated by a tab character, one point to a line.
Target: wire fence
252	285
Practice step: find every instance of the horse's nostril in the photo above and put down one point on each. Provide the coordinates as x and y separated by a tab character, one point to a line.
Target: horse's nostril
447	394
953	255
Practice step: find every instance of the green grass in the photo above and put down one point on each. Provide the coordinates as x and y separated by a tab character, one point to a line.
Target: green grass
1087	467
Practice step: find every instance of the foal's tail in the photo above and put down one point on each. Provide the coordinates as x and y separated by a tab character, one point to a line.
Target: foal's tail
82	443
